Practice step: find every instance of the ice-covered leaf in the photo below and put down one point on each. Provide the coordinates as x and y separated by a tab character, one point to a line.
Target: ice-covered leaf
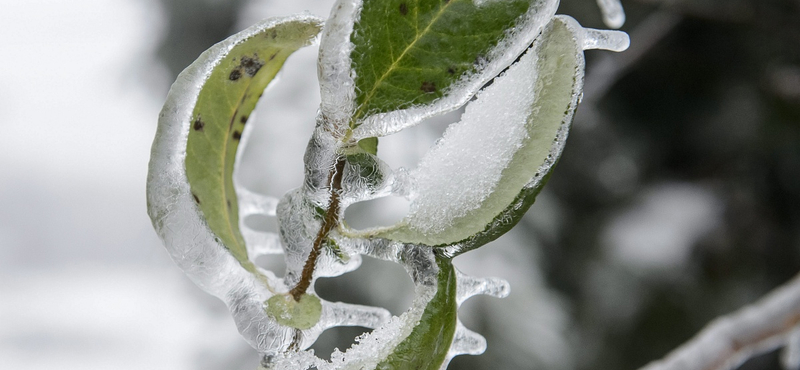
404	60
223	105
428	344
409	52
189	178
302	314
487	169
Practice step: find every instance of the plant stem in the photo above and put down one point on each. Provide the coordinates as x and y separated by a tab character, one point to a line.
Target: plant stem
329	222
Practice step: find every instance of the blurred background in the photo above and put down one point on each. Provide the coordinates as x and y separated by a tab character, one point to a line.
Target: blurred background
676	200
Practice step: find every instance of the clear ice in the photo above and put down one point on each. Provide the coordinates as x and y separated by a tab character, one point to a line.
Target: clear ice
440	187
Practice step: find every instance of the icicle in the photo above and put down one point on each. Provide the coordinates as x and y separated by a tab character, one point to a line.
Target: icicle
613	14
469	286
465	342
605	39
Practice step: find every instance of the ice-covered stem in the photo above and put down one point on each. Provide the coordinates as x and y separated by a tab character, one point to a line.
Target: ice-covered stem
730	340
329	222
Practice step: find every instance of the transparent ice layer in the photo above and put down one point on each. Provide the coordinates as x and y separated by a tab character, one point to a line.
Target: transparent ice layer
336	78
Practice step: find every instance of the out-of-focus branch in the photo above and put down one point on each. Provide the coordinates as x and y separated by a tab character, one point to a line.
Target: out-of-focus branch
730	340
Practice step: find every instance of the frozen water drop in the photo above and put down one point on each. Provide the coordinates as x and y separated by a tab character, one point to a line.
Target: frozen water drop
605	39
613	13
467	342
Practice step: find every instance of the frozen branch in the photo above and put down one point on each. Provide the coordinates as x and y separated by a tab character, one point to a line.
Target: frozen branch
730	340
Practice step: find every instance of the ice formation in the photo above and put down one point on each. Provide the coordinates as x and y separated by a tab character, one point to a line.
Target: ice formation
506	143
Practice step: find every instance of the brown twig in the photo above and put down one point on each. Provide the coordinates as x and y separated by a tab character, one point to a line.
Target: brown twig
329	222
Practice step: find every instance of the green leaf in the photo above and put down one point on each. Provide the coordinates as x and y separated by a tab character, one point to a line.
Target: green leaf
223	105
558	84
299	315
410	52
369	145
427	345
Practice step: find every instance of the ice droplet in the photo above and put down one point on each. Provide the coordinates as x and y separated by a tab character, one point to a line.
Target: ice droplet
613	13
605	39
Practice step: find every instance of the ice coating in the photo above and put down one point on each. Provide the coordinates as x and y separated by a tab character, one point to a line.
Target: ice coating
613	14
334	71
504	53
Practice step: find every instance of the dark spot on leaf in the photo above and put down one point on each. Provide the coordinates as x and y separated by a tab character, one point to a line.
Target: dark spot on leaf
198	124
451	70
228	202
237	135
235	74
251	65
428	87
196	199
243	120
271	57
403	8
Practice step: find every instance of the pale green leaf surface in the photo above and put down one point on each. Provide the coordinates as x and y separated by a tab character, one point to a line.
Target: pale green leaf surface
223	105
299	315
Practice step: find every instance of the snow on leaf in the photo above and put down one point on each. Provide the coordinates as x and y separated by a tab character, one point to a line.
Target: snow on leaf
487	169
